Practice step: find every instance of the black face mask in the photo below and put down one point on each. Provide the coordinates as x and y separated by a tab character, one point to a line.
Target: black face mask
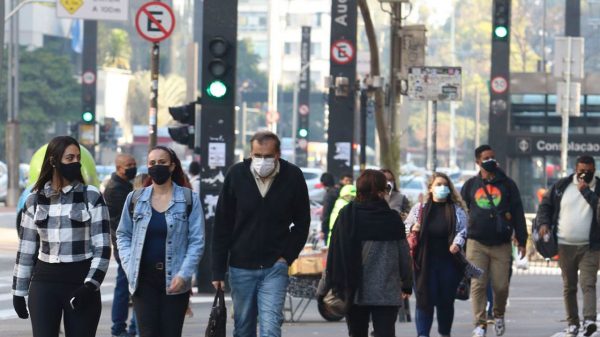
586	176
490	165
159	174
70	171
131	172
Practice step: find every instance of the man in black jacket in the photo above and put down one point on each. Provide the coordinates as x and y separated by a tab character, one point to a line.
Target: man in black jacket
261	225
495	213
115	194
568	211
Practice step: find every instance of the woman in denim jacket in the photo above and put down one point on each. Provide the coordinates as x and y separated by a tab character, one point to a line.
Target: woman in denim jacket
160	240
440	223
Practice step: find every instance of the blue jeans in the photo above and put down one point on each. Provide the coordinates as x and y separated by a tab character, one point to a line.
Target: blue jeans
120	306
258	292
442	281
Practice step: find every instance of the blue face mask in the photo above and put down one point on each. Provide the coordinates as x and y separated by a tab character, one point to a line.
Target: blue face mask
441	192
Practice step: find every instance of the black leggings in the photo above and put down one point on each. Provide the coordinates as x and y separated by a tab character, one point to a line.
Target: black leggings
158	314
48	301
384	319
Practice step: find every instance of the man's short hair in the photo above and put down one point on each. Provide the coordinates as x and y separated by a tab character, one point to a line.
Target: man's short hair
588	160
327	179
262	136
347	175
194	168
481	149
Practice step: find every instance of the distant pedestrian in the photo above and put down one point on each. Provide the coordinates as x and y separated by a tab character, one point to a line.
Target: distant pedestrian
397	201
160	240
495	213
115	194
441	225
67	223
368	263
568	212
194	176
347	194
261	225
331	195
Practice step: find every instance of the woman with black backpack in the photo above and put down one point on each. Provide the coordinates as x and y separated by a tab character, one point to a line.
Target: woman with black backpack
67	224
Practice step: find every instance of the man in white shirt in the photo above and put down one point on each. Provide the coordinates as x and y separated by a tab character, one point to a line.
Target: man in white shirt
568	211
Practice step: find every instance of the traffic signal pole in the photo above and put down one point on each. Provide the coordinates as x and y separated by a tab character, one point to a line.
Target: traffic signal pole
12	125
153	112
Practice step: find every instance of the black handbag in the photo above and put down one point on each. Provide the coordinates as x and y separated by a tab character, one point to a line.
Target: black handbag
464	289
217	321
546	246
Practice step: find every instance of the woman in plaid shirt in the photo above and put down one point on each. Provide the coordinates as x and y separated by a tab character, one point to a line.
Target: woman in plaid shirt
66	224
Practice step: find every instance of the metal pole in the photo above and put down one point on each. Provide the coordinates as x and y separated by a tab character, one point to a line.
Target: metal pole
295	117
564	148
244	125
12	126
153	113
363	129
434	138
477	116
452	144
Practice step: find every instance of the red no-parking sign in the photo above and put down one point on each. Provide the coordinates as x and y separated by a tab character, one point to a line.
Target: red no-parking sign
342	51
155	21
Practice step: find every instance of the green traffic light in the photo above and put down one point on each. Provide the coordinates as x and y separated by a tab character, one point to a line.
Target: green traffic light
501	32
87	117
303	133
216	89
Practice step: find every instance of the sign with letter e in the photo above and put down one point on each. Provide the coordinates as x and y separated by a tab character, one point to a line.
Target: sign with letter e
101	10
155	21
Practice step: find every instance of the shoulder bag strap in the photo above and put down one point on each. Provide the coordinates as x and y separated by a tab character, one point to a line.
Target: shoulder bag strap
494	209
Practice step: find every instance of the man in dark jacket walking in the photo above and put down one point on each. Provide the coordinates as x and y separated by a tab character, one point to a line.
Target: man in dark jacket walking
495	213
568	211
261	225
115	194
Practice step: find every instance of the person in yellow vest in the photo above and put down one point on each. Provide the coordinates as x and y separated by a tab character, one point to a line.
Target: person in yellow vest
347	194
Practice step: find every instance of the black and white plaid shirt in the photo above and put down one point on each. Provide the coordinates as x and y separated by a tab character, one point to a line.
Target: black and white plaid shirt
63	229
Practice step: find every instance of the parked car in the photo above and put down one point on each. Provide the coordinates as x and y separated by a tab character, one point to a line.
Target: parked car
313	181
413	187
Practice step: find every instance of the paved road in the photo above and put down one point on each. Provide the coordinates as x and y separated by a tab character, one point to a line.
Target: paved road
535	306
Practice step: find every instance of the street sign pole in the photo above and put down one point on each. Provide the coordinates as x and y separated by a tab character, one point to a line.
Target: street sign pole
434	137
153	112
564	136
154	22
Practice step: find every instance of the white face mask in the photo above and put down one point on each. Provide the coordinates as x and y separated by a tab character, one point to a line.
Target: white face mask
263	166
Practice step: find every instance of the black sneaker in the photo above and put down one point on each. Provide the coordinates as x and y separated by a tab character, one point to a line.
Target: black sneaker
589	327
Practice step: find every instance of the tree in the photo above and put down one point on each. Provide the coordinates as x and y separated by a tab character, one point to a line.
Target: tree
49	97
248	76
115	48
389	155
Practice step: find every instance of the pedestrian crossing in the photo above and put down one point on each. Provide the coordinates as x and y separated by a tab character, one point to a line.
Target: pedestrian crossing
107	291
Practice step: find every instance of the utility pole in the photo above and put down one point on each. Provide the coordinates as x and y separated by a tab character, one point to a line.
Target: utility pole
12	125
395	61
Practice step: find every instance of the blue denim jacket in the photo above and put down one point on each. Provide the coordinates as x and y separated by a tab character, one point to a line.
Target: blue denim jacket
185	237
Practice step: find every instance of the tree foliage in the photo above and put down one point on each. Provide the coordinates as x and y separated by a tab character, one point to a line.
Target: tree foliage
50	97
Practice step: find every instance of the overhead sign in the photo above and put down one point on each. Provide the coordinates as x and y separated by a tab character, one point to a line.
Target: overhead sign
93	9
434	83
342	52
499	85
155	21
535	145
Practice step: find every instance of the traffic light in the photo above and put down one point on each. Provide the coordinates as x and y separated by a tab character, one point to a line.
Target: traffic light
88	112
302	133
501	20
186	116
220	66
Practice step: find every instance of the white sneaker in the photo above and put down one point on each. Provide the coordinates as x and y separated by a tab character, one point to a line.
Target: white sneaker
572	331
479	332
499	326
589	327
